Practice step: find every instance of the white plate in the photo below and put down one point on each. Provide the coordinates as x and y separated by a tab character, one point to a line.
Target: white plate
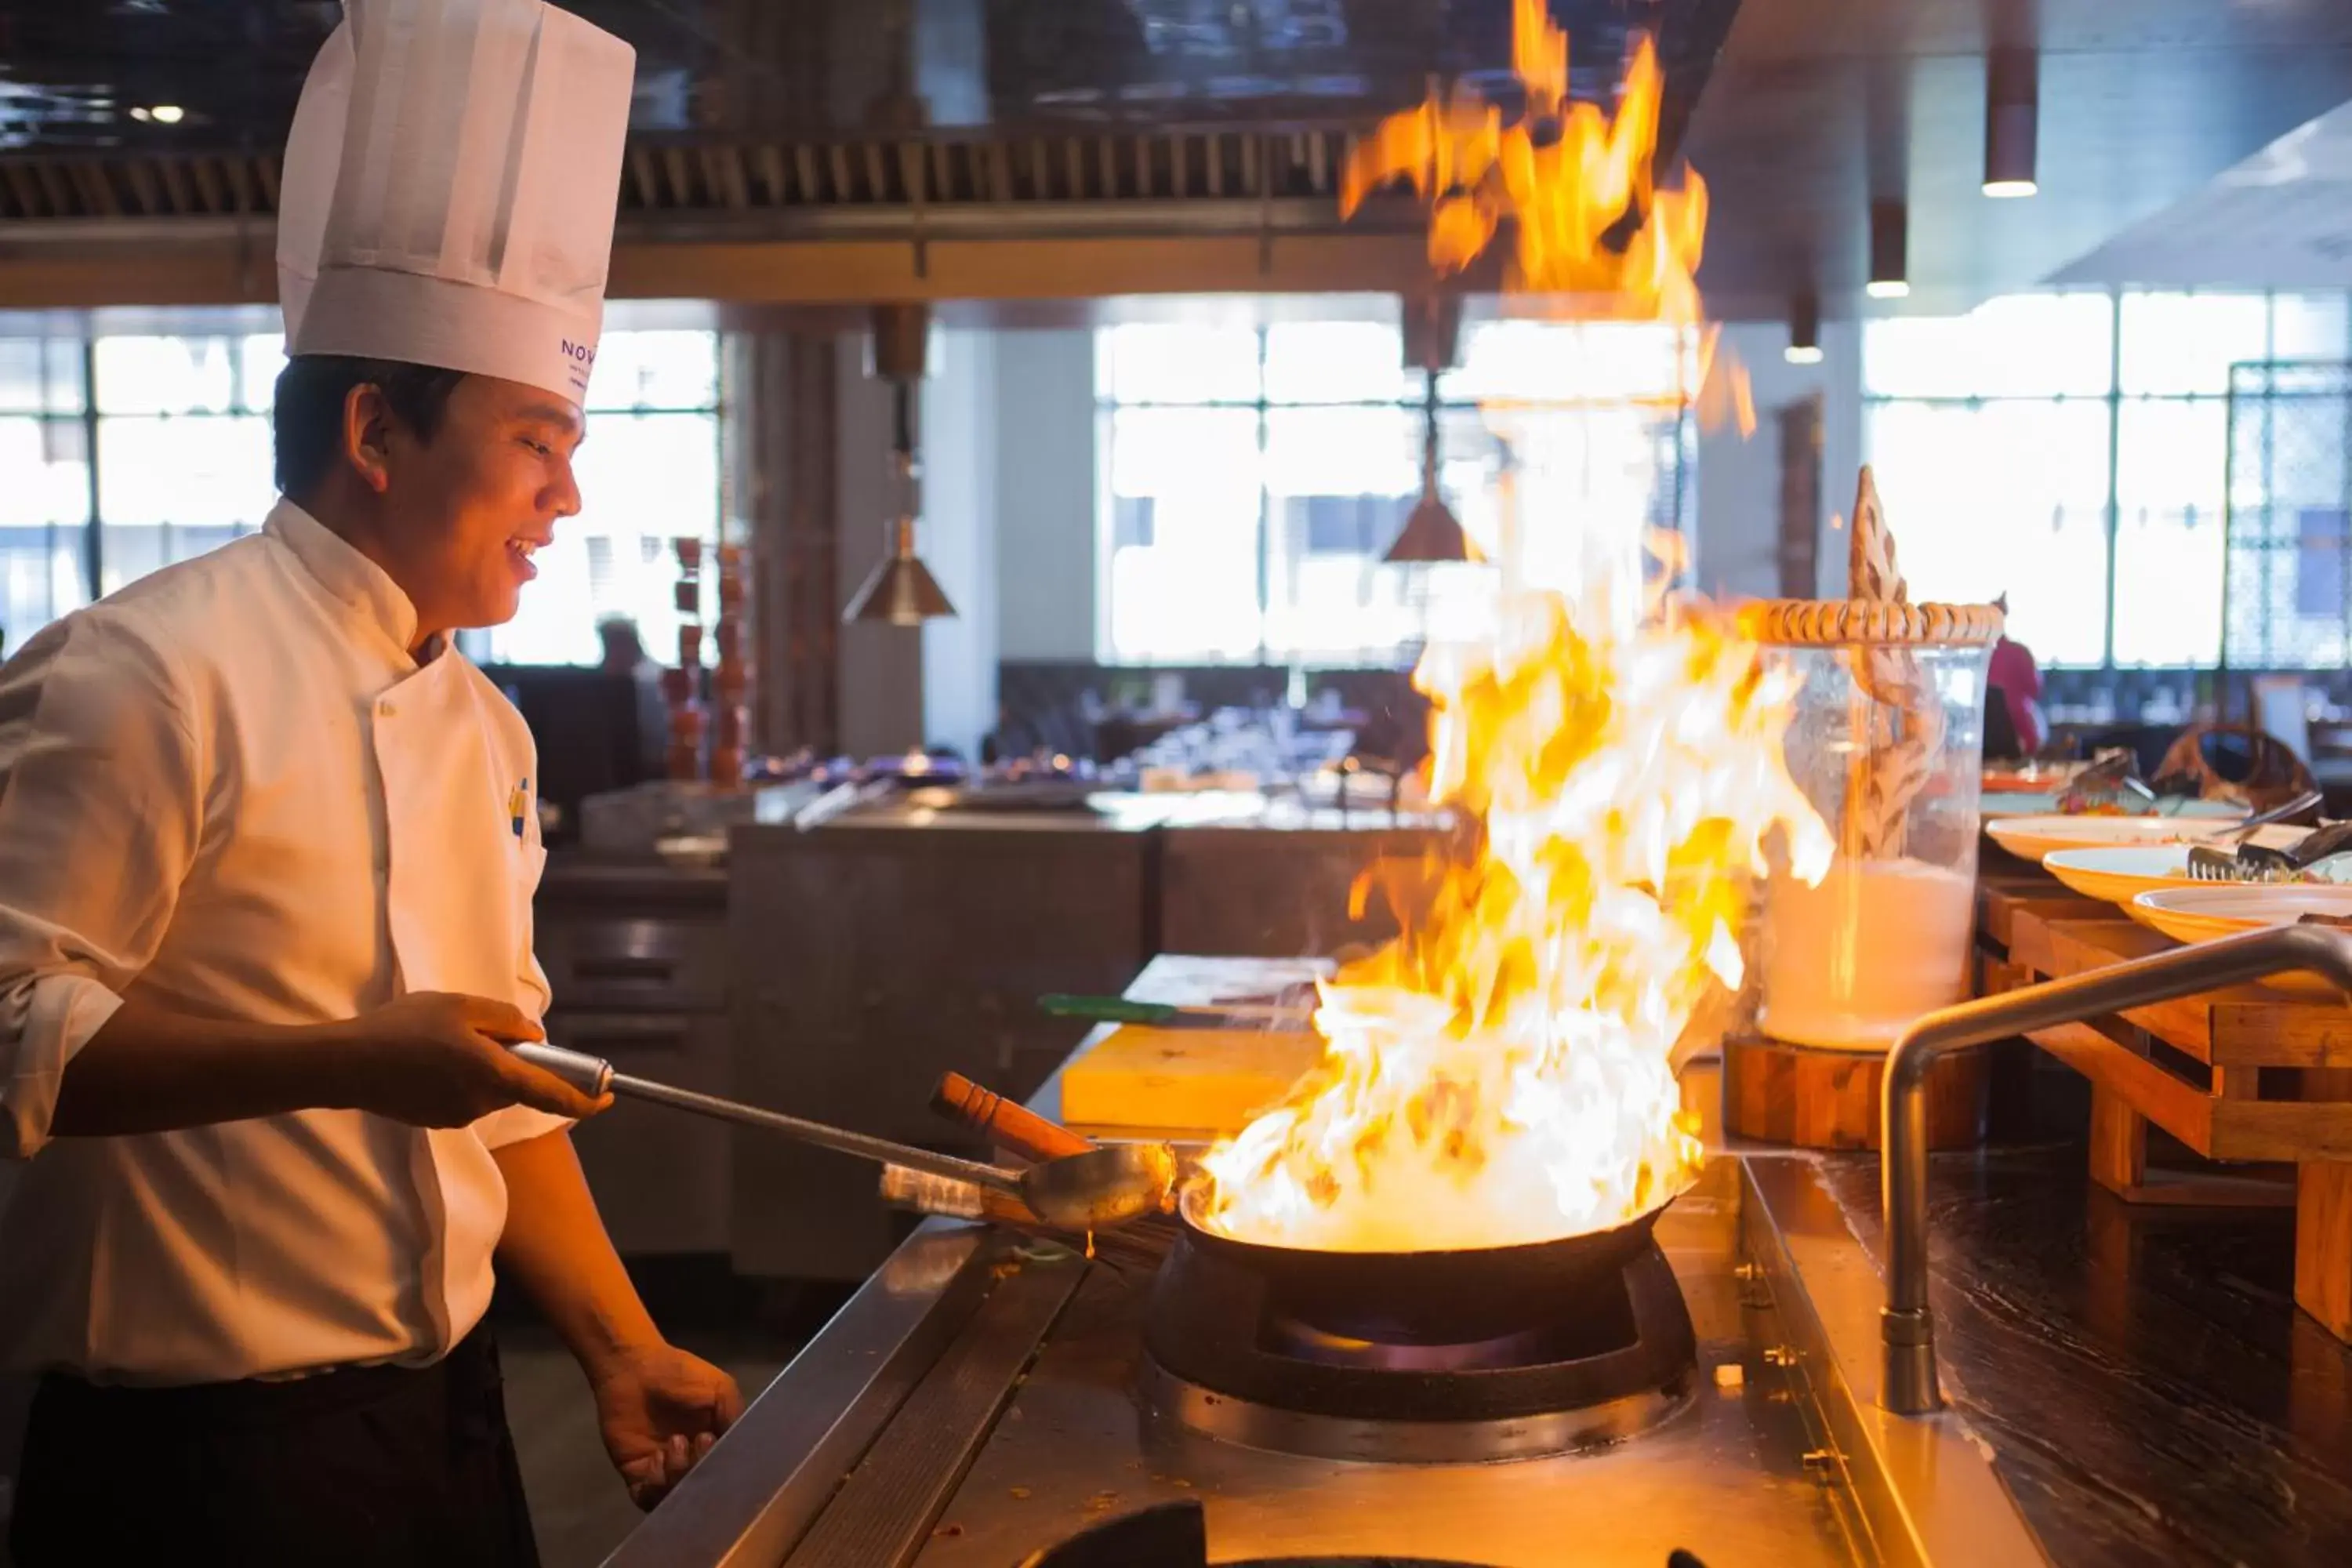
2119	873
2032	837
2201	913
2044	803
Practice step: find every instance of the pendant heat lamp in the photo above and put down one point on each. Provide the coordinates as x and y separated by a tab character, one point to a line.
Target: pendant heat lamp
1431	533
2013	123
1890	251
1804	331
900	591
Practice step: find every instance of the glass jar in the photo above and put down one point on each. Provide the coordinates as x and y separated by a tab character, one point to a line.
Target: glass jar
1887	743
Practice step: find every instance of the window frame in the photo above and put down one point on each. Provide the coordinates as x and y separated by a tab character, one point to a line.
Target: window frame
231	329
1679	488
2114	400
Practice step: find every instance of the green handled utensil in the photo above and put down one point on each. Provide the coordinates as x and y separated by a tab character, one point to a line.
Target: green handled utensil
1119	1010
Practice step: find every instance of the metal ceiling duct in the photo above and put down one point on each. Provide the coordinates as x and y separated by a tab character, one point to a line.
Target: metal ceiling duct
1432	331
900	591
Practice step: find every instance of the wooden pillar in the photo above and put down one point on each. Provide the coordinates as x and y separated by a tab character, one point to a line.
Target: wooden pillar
2323	1220
2323	1244
2118	1142
785	476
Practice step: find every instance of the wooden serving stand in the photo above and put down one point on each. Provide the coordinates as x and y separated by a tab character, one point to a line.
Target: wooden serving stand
2250	1075
1814	1099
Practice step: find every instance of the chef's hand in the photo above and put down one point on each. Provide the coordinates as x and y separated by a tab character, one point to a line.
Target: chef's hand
435	1059
661	1410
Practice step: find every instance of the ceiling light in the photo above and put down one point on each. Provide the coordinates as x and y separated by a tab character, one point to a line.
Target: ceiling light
2012	121
166	114
1890	245
138	113
1432	331
1804	331
900	591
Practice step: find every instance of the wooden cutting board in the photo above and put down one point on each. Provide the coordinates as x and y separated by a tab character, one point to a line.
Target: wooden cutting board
1194	1080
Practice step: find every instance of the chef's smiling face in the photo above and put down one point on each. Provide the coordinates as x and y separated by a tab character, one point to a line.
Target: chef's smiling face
481	497
464	509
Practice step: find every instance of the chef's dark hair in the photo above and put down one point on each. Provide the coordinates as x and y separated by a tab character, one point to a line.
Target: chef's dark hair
308	417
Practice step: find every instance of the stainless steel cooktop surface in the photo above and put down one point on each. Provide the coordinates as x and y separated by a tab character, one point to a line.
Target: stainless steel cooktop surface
1725	1478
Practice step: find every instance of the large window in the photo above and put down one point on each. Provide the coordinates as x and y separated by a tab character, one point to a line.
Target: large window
648	475
179	422
45	482
2072	450
1251	478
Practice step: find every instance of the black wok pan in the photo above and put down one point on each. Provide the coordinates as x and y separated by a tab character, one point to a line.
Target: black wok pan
1453	1296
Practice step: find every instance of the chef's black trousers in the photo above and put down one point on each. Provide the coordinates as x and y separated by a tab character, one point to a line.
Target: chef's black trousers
375	1467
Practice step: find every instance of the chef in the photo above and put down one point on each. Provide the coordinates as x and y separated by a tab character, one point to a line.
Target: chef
267	847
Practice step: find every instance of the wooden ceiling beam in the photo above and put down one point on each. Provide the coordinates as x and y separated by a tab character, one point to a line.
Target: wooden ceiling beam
218	270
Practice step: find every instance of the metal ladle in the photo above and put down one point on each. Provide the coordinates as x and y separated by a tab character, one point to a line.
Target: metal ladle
1097	1189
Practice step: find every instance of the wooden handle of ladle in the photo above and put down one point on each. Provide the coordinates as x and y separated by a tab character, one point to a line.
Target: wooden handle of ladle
1010	1127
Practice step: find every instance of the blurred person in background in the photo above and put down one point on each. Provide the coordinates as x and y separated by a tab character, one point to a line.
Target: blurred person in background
625	655
2016	679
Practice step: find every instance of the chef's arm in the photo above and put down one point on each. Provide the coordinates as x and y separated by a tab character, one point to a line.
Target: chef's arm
658	1408
149	1069
100	811
428	1059
556	1249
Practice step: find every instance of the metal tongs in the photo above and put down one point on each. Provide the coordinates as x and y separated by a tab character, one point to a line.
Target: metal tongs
1097	1189
2113	777
2248	861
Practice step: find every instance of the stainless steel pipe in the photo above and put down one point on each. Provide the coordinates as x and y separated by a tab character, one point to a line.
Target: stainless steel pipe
1908	1330
594	1075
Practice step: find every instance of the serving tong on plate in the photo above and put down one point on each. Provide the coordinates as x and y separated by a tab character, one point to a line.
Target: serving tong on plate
2112	779
2247	861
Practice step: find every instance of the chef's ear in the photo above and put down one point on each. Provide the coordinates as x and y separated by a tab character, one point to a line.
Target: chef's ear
367	434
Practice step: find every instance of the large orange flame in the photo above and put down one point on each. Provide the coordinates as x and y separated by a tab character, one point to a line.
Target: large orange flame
1566	175
1503	1071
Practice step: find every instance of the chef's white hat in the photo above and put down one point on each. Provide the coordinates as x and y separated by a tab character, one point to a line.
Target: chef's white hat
450	186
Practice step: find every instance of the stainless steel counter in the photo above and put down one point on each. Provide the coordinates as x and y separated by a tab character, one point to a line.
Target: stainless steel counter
976	1402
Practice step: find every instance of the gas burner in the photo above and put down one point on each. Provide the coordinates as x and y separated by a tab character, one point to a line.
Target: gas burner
1238	1354
1176	1535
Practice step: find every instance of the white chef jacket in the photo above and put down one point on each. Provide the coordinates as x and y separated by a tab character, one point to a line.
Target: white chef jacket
230	789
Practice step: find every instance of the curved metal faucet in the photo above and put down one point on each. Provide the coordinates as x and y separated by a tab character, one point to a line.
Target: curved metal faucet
1908	1386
